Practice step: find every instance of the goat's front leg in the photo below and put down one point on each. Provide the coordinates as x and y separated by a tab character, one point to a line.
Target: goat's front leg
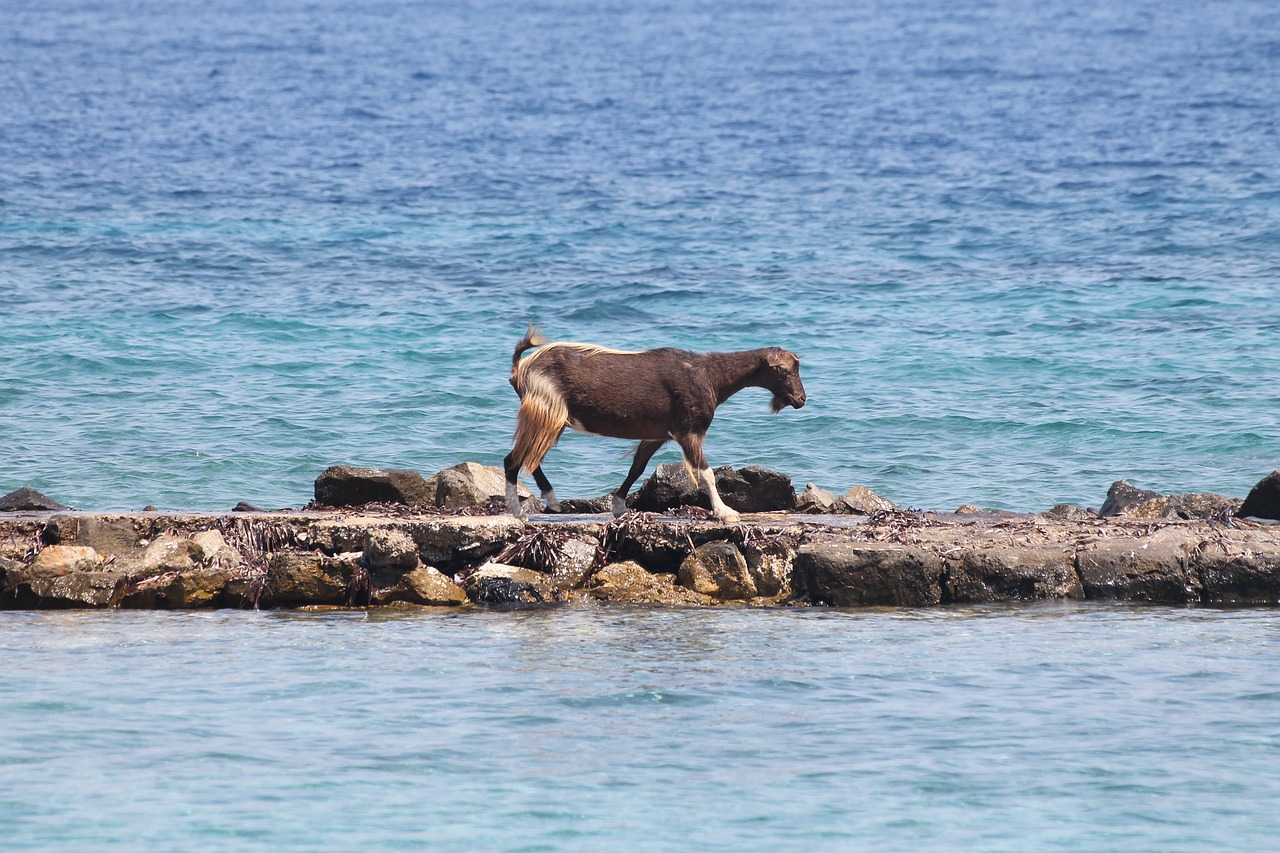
644	452
692	447
511	467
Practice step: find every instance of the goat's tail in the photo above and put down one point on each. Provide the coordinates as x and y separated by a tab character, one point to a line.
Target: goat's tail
532	338
543	416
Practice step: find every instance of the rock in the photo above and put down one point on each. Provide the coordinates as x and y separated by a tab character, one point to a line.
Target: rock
470	484
110	536
1264	499
165	554
863	501
296	579
245	507
426	586
1011	574
575	560
719	570
1123	495
629	582
855	574
450	543
498	583
56	560
755	488
770	563
80	589
1239	567
343	485
193	589
815	500
968	509
389	554
1150	568
586	506
27	499
669	487
214	548
1070	512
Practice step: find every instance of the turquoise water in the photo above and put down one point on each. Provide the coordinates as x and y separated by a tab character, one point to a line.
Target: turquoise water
1024	249
1062	727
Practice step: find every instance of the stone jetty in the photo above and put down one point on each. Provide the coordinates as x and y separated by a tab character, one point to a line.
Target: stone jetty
1182	549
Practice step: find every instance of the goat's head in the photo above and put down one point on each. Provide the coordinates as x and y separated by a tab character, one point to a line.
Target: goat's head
782	376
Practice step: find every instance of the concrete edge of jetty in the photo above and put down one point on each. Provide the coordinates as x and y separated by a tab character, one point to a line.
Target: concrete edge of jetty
407	558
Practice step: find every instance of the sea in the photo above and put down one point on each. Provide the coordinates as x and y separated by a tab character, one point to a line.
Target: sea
1023	250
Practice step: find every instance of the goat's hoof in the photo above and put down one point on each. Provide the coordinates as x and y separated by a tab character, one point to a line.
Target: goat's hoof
731	518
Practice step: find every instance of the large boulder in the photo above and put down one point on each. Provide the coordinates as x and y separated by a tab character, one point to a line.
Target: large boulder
755	488
1122	495
1151	568
862	501
1126	501
389	554
110	536
195	588
668	488
1011	574
297	579
719	570
498	584
1264	499
344	485
469	484
56	560
27	499
27	591
815	500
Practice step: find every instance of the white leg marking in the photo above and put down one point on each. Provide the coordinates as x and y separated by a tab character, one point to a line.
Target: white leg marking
719	507
513	501
549	498
619	506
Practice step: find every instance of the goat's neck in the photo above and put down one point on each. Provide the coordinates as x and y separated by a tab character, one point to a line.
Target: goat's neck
730	372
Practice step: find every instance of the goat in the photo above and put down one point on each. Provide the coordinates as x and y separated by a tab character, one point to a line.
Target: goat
651	396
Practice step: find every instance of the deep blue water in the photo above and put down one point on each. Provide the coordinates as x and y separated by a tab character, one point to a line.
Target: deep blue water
1061	727
1025	249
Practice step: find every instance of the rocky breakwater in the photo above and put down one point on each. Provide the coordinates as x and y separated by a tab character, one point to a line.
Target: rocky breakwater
443	550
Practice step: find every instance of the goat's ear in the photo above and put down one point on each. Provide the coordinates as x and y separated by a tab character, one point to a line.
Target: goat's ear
781	358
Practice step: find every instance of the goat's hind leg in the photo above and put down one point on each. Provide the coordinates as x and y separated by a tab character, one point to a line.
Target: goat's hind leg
511	467
644	452
548	493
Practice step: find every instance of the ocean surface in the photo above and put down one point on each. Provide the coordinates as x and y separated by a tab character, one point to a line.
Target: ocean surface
1052	727
1024	249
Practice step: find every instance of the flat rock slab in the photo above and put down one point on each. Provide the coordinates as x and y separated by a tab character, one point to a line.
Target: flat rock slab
366	556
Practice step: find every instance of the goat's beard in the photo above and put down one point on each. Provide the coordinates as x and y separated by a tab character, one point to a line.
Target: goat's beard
778	404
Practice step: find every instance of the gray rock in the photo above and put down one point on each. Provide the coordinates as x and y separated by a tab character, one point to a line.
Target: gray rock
78	589
833	571
27	499
299	579
1123	495
469	484
1029	573
1150	568
770	562
1070	512
110	536
669	487
1239	567
1263	500
344	485
863	501
388	554
187	590
815	500
719	570
755	488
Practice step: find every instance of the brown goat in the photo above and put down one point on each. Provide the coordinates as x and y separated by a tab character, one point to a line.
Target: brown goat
652	396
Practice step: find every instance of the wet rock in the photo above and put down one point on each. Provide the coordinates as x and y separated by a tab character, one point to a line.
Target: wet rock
27	499
500	584
470	484
669	487
755	488
1070	512
1011	574
187	590
344	485
856	574
78	589
629	582
815	500
425	585
297	579
55	560
1150	568
863	501
1123	495
719	570
1263	500
109	536
574	562
389	554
